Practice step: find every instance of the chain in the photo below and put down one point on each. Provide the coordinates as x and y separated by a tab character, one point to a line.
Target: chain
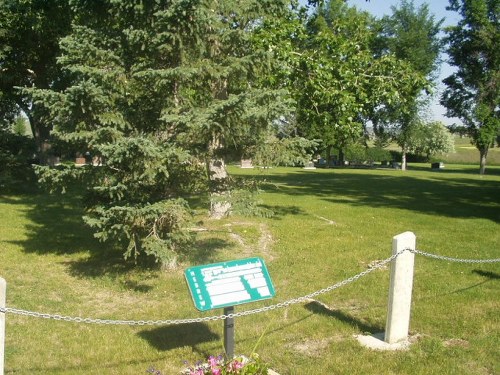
293	301
441	257
306	298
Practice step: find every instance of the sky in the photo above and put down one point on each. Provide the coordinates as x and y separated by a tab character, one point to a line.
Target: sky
380	8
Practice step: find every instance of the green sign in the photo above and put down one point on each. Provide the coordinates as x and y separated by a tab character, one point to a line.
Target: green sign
229	283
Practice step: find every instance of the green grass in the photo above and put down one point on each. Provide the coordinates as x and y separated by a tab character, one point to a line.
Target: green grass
329	225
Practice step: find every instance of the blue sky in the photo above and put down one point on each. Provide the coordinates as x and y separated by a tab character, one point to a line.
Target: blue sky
380	8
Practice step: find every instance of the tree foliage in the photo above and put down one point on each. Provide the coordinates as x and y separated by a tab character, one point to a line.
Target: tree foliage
472	92
29	44
337	81
428	139
159	93
411	34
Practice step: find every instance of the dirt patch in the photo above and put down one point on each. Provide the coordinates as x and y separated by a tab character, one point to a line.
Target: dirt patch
456	343
315	347
250	246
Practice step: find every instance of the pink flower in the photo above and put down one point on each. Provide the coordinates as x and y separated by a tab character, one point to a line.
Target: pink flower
212	361
237	365
216	371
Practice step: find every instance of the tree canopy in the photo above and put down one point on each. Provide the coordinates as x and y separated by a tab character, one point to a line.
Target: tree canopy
472	92
158	95
29	44
411	34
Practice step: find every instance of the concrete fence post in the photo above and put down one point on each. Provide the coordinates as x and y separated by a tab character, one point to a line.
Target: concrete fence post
3	295
400	289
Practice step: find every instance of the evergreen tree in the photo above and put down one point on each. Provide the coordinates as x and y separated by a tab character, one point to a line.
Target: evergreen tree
160	92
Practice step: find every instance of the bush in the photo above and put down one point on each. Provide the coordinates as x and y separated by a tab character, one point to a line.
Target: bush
377	154
16	156
358	153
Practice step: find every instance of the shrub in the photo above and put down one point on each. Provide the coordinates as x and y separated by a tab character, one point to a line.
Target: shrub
16	156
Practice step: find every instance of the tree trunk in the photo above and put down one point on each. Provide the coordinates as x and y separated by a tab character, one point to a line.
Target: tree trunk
328	156
341	157
41	135
219	206
403	159
483	153
217	173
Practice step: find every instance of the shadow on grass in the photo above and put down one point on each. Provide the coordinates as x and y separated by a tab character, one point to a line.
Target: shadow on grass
318	308
431	193
56	227
488	274
281	211
451	169
203	250
176	336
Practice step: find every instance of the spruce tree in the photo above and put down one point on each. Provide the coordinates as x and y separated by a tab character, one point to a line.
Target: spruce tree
159	94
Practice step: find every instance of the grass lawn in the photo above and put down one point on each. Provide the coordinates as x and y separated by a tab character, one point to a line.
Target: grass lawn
328	225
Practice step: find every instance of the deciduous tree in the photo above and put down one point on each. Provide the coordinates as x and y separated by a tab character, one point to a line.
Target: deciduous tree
411	34
29	43
472	92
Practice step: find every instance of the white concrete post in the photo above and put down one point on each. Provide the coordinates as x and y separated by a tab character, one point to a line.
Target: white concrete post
398	310
3	294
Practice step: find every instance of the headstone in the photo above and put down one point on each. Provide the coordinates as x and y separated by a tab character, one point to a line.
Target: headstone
80	161
246	163
437	165
97	161
53	160
321	162
309	165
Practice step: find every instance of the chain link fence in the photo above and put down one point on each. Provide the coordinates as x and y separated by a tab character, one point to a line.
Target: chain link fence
305	298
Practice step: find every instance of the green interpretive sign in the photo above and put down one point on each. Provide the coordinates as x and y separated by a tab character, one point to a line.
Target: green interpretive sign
229	283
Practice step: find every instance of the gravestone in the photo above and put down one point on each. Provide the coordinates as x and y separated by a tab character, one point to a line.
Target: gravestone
80	161
309	165
437	165
246	163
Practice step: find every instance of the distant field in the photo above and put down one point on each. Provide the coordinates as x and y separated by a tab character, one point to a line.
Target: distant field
466	153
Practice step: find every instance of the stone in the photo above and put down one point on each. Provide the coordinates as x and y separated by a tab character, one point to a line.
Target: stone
437	165
246	163
309	165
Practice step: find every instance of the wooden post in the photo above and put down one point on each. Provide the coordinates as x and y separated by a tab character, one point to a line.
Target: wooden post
229	333
401	284
3	295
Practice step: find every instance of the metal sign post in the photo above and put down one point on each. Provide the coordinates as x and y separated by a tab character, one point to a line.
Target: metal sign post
229	332
226	284
3	294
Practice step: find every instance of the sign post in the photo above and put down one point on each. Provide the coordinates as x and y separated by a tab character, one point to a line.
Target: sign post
226	284
3	294
229	332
